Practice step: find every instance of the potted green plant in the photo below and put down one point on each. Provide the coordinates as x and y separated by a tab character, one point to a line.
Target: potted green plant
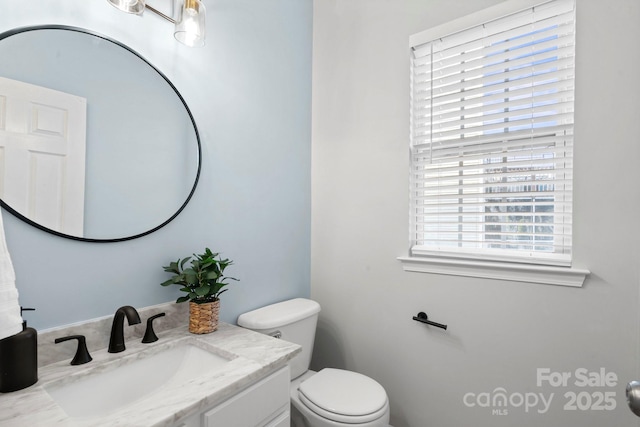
203	281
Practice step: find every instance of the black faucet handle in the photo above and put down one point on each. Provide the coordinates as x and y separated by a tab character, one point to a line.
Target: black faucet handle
149	334
82	354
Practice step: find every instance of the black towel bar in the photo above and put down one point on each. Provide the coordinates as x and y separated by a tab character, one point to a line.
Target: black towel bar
422	317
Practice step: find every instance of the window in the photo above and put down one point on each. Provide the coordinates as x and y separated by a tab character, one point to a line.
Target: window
492	137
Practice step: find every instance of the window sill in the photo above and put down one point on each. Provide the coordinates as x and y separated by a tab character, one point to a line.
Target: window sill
543	274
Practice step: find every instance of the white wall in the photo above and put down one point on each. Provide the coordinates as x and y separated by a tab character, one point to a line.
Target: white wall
500	332
249	90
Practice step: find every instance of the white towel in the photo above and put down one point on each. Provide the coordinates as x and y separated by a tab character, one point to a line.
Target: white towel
10	319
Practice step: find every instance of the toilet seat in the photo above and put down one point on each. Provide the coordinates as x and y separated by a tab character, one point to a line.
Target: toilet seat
344	396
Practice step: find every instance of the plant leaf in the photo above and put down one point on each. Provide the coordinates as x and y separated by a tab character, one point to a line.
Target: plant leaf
190	276
203	290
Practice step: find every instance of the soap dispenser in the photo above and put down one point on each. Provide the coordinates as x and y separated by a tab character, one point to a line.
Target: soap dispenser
19	359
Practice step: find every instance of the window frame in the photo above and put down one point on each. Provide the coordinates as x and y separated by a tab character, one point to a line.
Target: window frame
554	270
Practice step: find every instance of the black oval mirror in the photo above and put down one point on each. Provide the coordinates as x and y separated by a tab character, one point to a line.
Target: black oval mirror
96	144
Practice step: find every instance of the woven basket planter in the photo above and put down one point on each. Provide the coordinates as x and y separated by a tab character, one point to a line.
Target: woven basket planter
203	318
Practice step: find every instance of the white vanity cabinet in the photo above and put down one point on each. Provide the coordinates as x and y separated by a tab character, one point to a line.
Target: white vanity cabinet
263	404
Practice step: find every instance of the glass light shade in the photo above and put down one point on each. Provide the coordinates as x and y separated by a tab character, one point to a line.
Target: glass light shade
190	25
129	6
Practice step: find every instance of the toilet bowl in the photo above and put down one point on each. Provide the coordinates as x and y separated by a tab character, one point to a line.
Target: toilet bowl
327	398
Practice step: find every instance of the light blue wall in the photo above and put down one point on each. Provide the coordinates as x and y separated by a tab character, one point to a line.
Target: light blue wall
249	90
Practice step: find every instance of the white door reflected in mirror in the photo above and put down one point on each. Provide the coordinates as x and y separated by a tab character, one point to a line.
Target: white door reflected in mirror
42	154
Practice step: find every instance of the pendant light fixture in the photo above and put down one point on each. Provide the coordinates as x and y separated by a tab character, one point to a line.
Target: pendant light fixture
129	6
189	24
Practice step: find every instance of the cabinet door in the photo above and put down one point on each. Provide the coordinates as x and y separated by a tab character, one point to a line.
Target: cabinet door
255	406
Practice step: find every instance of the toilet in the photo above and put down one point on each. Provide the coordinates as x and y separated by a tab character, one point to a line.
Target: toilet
329	397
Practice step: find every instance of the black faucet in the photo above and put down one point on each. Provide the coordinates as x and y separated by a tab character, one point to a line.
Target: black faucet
116	342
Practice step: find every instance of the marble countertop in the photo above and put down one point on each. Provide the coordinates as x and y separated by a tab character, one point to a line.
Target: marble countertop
252	356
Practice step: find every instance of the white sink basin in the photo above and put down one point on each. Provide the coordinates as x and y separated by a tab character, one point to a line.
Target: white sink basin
109	391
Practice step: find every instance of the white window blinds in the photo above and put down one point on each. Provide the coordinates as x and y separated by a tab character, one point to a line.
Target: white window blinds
492	137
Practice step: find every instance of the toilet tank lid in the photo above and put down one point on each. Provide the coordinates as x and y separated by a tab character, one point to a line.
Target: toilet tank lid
279	314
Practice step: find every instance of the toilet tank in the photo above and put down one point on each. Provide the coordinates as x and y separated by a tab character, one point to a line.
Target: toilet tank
294	320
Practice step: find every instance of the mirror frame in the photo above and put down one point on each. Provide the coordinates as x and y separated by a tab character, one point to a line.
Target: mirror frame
4	205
